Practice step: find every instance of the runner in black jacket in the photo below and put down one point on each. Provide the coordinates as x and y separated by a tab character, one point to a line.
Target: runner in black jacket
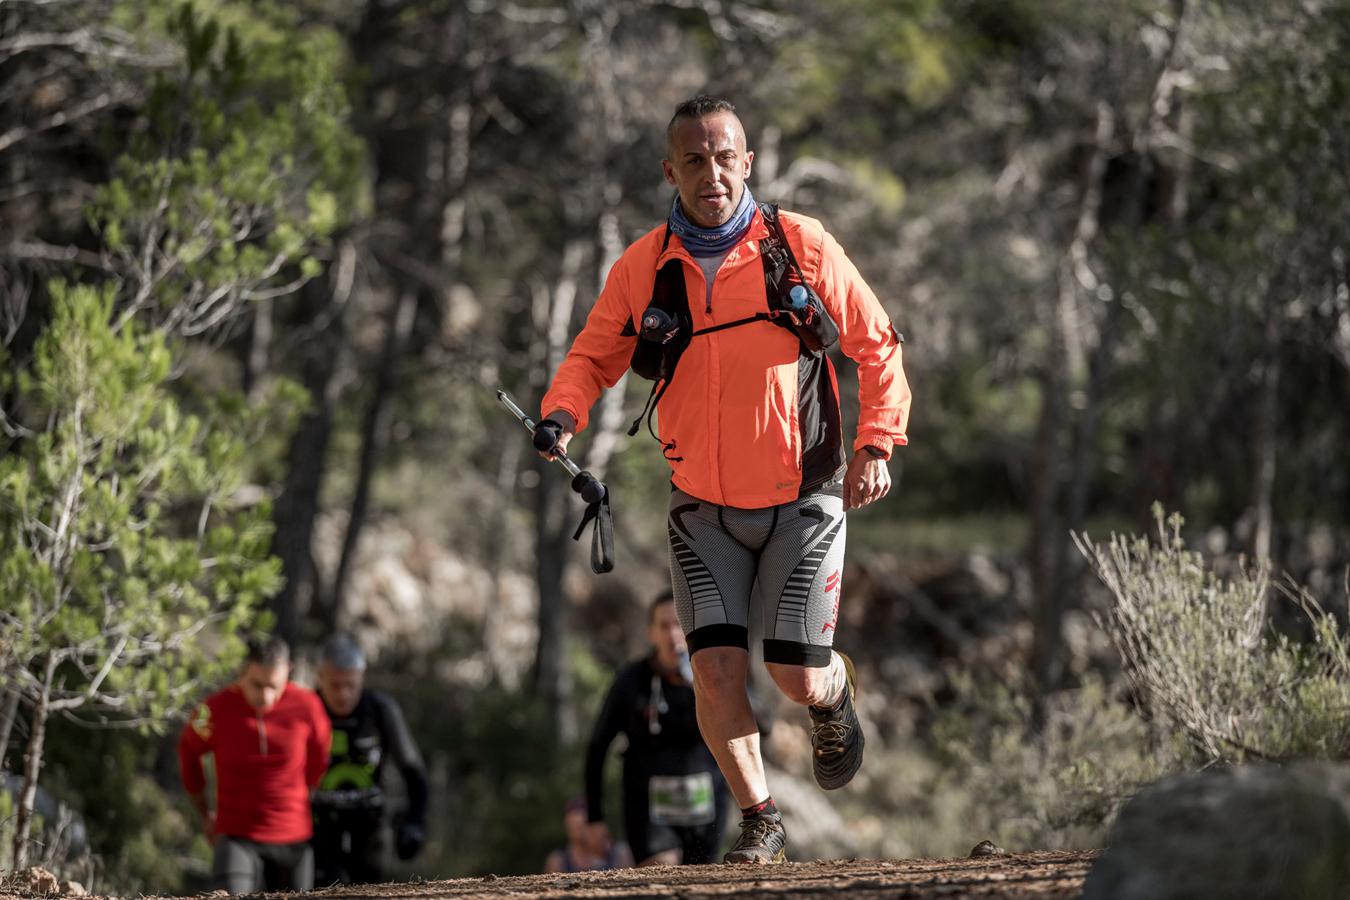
352	832
674	798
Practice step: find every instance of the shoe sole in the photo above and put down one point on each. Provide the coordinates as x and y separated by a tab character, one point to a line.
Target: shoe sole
779	857
837	780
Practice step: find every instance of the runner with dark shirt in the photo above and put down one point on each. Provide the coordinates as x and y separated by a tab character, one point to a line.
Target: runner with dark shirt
674	798
352	831
270	741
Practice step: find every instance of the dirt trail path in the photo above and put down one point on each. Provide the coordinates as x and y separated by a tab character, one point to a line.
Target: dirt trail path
1029	875
1024	876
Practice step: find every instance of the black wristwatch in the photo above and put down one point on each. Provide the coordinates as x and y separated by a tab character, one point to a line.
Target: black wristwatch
877	452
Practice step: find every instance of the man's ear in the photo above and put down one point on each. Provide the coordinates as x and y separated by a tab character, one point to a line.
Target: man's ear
669	170
749	160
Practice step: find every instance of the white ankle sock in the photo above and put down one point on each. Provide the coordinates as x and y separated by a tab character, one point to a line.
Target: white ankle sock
838	683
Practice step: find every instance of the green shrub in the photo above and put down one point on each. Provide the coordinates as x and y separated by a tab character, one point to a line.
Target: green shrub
1055	785
1202	658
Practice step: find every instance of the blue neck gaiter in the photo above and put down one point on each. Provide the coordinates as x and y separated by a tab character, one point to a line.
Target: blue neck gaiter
713	241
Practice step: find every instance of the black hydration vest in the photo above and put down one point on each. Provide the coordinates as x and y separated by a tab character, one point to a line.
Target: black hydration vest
791	303
655	358
356	757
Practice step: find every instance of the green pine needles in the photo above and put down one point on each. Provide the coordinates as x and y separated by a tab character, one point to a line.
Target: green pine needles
126	565
128	561
247	164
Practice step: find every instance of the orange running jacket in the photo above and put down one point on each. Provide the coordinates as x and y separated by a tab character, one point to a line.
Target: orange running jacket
754	421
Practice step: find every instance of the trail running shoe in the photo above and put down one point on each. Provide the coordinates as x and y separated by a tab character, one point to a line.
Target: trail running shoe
763	841
836	737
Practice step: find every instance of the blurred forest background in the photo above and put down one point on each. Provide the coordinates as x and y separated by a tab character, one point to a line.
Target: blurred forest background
264	262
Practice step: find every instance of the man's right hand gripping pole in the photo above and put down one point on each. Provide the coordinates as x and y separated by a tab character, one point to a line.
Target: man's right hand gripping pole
554	433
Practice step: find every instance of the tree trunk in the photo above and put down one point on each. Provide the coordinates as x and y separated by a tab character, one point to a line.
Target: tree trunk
1092	370
9	711
258	361
1047	466
32	766
1063	365
1081	475
552	675
324	301
374	440
1264	439
494	547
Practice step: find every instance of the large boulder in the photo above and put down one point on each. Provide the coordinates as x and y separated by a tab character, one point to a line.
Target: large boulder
1257	831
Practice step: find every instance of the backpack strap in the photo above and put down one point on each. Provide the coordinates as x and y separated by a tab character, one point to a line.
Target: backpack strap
782	275
757	317
657	361
777	255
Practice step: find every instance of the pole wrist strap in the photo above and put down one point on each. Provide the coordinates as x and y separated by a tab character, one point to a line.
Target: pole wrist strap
602	537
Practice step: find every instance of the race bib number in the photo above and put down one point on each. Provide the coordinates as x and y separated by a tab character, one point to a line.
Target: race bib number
681	799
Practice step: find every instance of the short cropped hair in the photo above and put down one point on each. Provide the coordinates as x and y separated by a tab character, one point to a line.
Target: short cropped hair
343	653
700	106
696	108
268	651
660	600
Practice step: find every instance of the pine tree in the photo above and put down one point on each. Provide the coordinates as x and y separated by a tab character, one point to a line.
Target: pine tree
121	546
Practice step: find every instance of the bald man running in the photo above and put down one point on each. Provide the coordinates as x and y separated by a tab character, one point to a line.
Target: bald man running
729	308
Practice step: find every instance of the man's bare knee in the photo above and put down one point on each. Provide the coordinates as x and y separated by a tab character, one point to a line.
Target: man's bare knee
801	684
720	669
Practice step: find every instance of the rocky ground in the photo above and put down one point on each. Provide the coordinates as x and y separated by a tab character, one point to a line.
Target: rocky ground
1025	875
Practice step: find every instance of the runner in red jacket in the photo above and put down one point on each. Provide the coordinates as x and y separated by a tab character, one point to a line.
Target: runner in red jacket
270	740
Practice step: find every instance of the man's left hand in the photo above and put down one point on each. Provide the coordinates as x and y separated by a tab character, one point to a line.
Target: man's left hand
866	481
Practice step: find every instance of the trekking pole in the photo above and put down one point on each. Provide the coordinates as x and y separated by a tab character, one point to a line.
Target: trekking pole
591	489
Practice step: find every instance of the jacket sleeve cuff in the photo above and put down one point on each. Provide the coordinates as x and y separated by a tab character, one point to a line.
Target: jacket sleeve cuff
879	441
568	420
553	405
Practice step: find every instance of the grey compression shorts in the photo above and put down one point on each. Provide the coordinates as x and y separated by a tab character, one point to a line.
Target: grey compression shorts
792	553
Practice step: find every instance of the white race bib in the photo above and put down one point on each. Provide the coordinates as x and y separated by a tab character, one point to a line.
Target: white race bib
682	799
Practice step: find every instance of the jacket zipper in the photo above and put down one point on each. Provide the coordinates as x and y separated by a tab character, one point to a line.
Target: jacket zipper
262	735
